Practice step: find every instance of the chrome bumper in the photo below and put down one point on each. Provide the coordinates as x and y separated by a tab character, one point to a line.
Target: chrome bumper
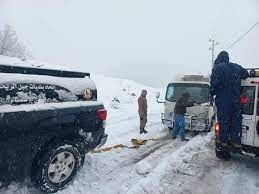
192	123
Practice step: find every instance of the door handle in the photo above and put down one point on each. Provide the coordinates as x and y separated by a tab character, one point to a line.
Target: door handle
247	119
245	127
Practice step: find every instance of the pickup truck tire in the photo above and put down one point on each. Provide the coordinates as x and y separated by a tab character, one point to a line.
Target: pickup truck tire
57	167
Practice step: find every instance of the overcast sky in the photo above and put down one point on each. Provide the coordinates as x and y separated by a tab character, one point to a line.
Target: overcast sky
146	40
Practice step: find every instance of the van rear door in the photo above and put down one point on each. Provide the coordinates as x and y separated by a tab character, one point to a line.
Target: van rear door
256	133
248	106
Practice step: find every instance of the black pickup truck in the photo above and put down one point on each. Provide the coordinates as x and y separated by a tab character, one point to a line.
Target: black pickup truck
49	120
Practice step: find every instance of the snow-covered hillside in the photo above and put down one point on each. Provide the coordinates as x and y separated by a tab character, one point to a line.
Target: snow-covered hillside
123	121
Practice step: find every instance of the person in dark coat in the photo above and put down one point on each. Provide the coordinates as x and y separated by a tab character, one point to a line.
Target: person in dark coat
226	86
179	112
142	110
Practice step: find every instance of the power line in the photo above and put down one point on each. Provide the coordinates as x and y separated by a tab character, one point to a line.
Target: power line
250	29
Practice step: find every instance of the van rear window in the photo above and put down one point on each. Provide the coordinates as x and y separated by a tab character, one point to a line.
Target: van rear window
247	99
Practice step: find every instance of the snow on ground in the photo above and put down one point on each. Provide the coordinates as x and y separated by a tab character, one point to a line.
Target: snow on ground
123	123
161	166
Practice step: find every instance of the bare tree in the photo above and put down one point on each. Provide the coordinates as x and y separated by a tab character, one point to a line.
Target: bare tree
10	45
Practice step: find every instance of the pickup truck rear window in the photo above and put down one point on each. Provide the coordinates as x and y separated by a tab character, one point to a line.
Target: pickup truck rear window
30	93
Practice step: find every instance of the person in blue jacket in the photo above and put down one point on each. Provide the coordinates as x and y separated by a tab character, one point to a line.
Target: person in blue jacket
226	86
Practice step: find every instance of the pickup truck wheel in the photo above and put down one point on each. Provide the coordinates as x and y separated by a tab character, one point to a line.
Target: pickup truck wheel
225	155
57	167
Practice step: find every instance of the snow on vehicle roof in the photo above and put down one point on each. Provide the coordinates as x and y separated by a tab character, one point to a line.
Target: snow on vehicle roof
191	78
14	65
29	63
75	85
46	106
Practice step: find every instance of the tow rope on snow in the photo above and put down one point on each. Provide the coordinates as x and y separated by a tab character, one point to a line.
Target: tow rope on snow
136	143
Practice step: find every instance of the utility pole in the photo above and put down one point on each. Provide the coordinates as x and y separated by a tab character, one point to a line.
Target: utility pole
212	48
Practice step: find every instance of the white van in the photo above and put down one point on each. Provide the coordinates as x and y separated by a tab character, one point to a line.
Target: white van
199	117
250	122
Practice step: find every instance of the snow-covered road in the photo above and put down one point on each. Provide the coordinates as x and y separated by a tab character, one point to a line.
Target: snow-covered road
163	166
240	175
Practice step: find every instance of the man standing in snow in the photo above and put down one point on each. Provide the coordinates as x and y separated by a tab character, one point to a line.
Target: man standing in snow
142	110
179	112
226	85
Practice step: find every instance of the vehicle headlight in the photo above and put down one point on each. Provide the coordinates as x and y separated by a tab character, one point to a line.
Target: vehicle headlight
88	95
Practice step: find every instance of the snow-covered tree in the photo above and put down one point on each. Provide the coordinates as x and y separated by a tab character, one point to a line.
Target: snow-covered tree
10	45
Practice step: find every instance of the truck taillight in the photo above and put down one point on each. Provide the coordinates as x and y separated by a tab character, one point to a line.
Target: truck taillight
217	129
102	114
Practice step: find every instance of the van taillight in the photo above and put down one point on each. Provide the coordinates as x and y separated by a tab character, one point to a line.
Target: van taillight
217	129
102	114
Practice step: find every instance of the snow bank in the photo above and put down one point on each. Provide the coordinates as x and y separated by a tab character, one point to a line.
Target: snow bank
181	161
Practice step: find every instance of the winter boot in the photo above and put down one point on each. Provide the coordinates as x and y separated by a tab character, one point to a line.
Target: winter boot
185	139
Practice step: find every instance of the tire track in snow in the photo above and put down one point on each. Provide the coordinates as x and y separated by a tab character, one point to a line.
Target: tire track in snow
183	163
123	131
215	176
151	154
124	172
239	175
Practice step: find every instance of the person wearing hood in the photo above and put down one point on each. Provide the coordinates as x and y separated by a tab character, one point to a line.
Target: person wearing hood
142	110
179	112
226	86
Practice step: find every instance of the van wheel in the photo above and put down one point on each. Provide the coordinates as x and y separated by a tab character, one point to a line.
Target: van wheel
222	154
219	153
57	168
